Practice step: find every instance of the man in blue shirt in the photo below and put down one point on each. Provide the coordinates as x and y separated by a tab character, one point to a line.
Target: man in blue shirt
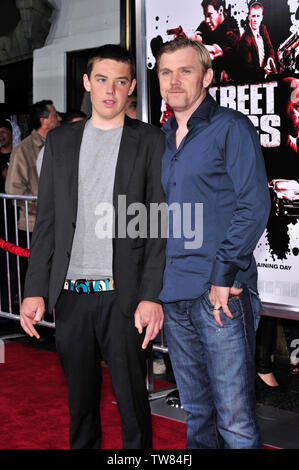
213	163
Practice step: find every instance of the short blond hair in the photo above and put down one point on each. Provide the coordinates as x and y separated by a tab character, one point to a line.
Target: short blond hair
181	43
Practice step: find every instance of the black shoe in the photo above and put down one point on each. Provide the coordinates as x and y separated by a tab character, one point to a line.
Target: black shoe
263	385
173	399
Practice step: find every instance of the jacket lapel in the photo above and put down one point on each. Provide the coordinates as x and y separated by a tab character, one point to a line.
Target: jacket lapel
126	158
74	146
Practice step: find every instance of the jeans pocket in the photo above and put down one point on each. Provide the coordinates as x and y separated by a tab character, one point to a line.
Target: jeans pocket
256	305
234	305
206	297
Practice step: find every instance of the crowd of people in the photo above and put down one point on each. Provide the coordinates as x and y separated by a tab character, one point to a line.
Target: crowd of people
112	295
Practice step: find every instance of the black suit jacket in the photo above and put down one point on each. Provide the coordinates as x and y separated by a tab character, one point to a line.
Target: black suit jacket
250	69
227	36
138	264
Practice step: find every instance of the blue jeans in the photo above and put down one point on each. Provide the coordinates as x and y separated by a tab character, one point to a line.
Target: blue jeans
215	371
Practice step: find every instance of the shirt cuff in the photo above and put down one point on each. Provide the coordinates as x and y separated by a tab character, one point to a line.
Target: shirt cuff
223	273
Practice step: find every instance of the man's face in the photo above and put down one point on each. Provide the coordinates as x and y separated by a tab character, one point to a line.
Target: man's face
293	109
182	81
131	107
109	85
213	17
5	137
53	120
255	18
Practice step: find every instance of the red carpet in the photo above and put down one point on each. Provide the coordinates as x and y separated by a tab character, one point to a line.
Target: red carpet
34	412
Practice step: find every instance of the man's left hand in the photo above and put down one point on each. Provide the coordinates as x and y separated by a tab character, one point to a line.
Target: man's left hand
219	298
149	315
214	50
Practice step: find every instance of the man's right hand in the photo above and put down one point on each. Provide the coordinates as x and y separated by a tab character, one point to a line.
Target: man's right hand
31	312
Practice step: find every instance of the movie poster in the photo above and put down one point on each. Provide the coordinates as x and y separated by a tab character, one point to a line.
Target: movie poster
254	47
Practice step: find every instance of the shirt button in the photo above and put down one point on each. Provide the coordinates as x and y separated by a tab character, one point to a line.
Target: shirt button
174	184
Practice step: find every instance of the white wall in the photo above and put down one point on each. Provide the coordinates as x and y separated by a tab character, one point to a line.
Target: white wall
76	24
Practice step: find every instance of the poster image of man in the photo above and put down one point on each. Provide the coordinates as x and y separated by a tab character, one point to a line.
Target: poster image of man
292	113
220	34
257	56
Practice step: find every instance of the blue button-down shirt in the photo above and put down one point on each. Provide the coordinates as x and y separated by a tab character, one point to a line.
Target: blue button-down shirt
219	163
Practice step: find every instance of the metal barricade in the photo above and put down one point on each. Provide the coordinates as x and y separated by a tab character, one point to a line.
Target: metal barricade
13	294
163	392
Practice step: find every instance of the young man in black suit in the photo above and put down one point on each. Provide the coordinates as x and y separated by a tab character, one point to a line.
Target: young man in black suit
104	285
257	56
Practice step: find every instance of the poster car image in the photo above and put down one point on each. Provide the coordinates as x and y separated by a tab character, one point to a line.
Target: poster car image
254	47
285	197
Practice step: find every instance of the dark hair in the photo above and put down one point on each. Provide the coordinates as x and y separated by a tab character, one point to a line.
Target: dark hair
70	115
39	110
255	4
5	123
215	3
113	52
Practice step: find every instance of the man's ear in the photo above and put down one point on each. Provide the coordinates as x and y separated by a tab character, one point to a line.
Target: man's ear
208	78
42	122
86	82
132	87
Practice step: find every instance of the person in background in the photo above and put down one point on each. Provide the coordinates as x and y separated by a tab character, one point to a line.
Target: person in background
66	118
6	145
22	176
131	109
265	349
74	115
5	150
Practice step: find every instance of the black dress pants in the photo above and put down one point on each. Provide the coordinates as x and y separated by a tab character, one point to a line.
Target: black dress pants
88	327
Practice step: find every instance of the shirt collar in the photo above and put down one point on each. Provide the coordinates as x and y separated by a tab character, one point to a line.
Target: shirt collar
204	112
256	33
37	138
